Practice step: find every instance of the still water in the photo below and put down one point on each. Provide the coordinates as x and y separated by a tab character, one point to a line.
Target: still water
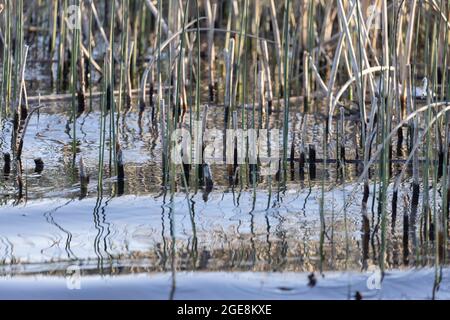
251	241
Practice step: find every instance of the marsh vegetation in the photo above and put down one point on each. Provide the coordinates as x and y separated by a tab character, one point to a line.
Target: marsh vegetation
93	94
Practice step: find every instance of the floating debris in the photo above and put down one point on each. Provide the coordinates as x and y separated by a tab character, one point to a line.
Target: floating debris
312	280
6	165
38	165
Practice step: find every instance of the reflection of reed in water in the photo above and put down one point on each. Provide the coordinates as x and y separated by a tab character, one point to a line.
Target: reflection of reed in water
103	231
372	118
50	219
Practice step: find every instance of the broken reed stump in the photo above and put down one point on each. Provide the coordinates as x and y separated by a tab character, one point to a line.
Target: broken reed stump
301	161
208	181
269	107
38	165
84	179
415	195
81	90
312	280
141	111
120	170
235	165
187	172
405	238
212	92
23	110
365	236
413	211
278	173
252	173
6	165
312	161
150	100
365	195
207	176
342	156
390	159
440	163
231	167
399	142
109	98
291	160
19	180
394	208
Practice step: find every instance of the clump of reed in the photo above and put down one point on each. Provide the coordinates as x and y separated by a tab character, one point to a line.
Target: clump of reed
357	63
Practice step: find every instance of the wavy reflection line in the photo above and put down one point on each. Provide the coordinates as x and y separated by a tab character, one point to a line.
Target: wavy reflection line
8	244
163	238
50	219
269	243
252	229
99	229
103	232
306	199
83	121
194	248
173	247
108	228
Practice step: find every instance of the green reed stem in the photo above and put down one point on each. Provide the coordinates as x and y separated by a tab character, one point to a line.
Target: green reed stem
91	80
76	52
111	81
286	88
